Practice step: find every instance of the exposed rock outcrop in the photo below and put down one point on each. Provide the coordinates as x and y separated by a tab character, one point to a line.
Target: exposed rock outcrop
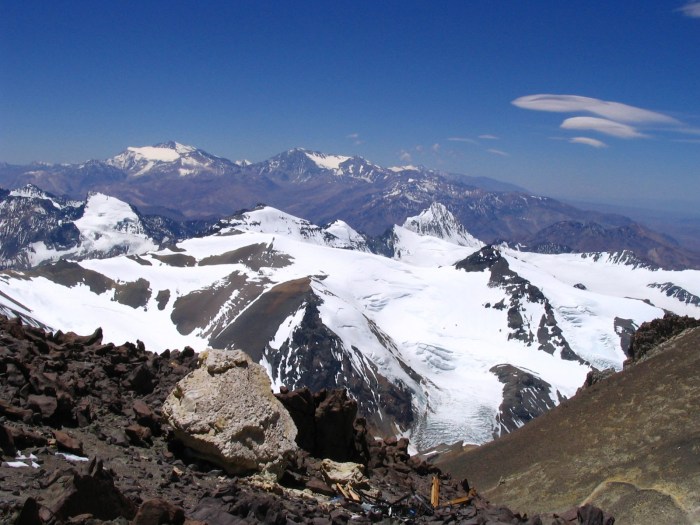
226	413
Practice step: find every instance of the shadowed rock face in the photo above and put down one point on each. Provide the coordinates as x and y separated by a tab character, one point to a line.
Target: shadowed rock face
633	437
525	396
317	358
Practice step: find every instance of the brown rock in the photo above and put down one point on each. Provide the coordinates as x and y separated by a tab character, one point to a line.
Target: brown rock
29	515
90	493
138	435
67	443
320	487
44	405
157	511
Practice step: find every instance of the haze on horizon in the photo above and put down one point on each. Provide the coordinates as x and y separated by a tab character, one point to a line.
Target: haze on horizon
580	100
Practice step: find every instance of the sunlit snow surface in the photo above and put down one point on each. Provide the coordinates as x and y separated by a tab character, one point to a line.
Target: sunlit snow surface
434	314
107	225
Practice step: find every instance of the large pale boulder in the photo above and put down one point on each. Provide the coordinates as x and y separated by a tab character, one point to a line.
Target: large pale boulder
226	413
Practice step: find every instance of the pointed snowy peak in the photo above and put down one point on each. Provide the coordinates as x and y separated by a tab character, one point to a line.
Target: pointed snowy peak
438	221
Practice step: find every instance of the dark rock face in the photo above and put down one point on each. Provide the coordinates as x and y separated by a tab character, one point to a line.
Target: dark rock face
325	421
525	397
92	492
319	361
651	334
625	328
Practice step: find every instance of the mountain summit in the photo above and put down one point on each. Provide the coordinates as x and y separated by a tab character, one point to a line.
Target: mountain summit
167	158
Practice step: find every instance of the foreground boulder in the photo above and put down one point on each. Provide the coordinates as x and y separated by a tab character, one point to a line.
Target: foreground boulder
226	414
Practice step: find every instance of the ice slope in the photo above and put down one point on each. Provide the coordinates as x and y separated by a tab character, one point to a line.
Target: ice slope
420	324
108	226
338	234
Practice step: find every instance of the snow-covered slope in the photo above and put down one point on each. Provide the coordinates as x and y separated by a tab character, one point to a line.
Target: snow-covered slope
265	219
37	227
442	352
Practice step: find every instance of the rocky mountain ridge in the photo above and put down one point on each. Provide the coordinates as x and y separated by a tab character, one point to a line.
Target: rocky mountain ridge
183	181
37	227
83	442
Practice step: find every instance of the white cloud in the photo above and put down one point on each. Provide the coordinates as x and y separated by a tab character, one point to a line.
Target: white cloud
488	137
462	139
355	137
498	152
691	9
405	156
603	108
602	125
589	142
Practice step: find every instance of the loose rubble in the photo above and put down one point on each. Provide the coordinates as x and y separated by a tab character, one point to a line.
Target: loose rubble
85	420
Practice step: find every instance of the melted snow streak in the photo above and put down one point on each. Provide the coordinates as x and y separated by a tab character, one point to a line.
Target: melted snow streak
414	338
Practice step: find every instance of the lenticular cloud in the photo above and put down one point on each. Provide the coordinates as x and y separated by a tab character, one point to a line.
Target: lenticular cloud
602	125
577	104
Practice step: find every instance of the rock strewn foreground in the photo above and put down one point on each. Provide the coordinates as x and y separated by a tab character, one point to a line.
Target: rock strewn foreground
84	420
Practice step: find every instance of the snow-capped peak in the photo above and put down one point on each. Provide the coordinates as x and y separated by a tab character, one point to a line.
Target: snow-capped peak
327	162
168	158
438	221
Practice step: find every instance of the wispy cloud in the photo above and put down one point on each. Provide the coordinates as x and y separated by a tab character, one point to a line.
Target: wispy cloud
588	142
355	137
462	139
489	137
498	152
577	104
691	9
435	147
405	156
602	125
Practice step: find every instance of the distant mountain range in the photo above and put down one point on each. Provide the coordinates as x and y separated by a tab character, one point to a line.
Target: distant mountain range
183	182
434	333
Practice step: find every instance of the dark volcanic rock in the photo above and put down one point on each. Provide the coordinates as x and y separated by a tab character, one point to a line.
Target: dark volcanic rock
325	423
148	478
93	493
653	333
525	396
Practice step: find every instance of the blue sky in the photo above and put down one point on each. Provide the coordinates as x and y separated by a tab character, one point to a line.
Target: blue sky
452	85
